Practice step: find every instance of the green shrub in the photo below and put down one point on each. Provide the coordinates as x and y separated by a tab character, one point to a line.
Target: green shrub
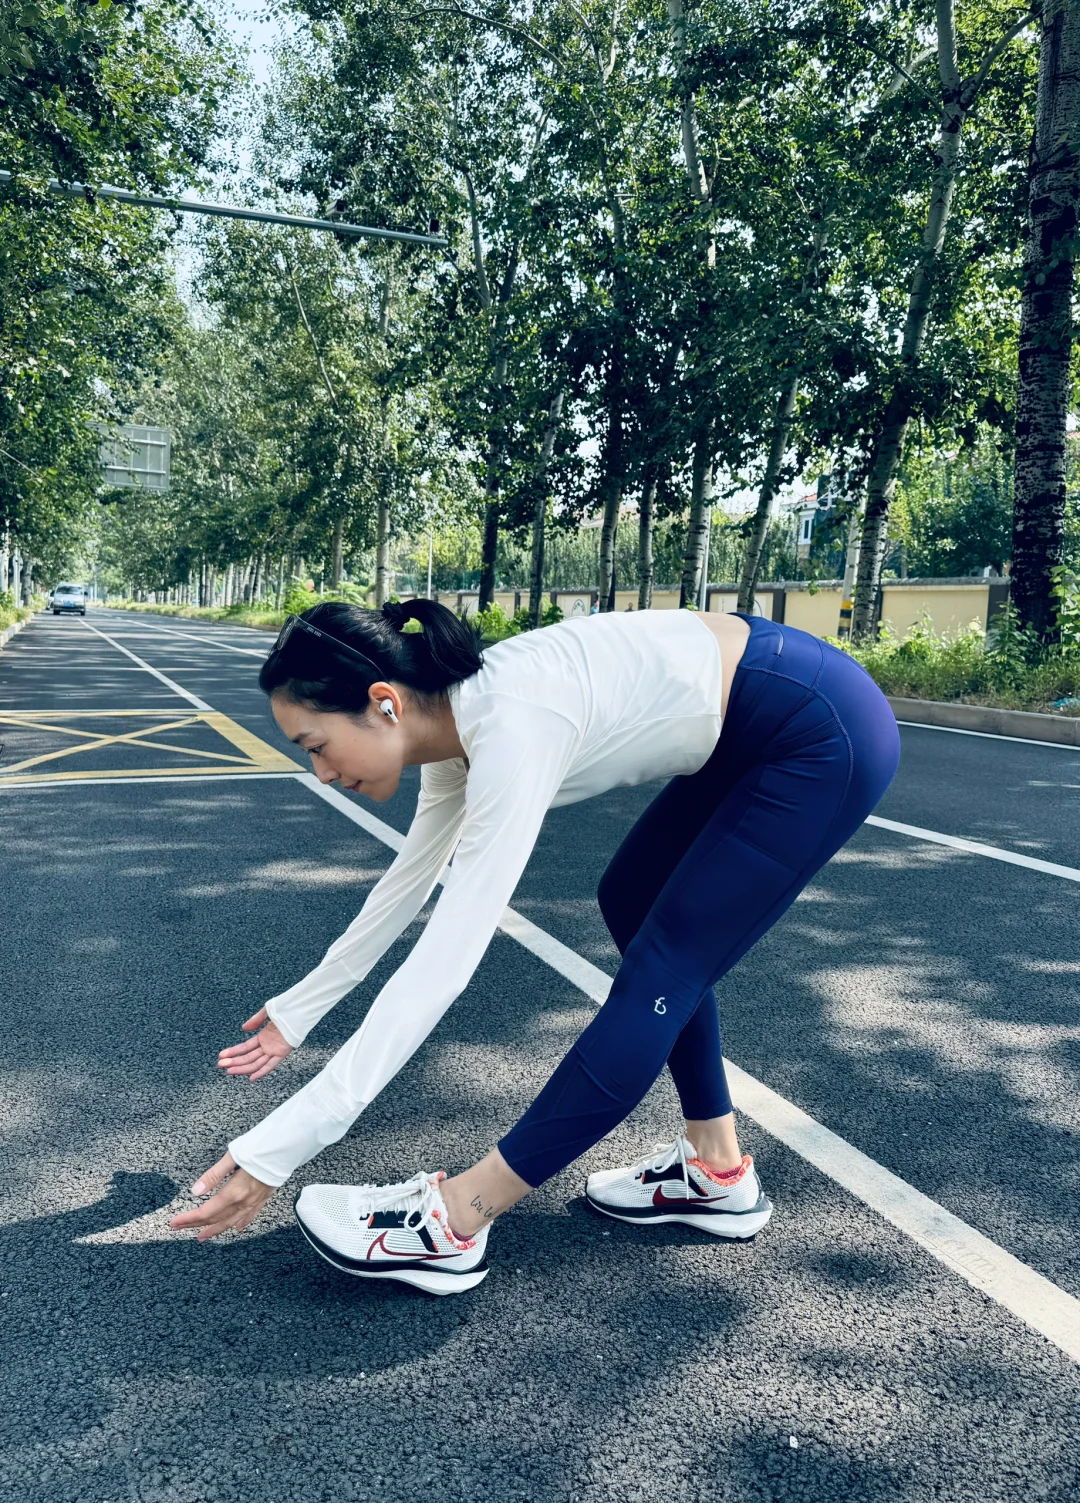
494	624
1005	667
297	600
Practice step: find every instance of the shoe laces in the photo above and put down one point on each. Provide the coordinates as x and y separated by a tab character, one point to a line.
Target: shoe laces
420	1198
663	1156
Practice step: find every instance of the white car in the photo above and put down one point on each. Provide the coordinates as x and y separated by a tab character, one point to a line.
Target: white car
68	597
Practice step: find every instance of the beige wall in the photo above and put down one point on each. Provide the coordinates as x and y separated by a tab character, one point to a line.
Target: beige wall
573	605
763	604
950	608
819	614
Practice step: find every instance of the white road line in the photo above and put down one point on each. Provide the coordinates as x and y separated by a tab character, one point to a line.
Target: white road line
169	631
149	777
170	683
1029	1295
976	848
955	730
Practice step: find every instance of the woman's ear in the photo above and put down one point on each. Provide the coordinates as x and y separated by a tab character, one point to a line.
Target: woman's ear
385	699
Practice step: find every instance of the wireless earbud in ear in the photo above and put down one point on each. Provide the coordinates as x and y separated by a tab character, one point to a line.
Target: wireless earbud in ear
387	707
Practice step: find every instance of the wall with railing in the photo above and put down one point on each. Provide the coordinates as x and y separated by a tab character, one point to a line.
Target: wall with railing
949	605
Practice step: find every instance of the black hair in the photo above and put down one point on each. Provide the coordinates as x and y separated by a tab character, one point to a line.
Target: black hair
428	662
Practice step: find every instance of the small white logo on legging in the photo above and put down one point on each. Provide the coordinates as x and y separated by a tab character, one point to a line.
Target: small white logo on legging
658	1005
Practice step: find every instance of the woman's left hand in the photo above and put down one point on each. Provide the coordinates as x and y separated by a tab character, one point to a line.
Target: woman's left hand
236	1198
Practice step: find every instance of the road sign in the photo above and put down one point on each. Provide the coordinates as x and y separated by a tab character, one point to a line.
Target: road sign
136	456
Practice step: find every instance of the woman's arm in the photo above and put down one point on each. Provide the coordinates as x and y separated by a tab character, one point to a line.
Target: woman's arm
391	906
519	756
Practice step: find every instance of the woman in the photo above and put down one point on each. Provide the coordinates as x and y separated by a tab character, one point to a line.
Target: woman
809	745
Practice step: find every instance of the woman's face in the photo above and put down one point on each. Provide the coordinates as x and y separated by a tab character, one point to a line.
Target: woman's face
363	753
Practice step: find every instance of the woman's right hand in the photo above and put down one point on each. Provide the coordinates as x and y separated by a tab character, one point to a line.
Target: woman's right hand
257	1056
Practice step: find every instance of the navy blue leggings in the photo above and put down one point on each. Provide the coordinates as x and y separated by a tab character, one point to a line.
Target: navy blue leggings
808	747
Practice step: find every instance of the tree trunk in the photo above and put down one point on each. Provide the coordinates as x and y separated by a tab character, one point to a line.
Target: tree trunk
613	491
1046	321
536	564
785	411
700	507
646	523
851	569
337	566
490	550
493	486
382	551
888	451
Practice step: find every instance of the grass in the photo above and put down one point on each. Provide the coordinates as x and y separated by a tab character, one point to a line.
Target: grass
237	615
1002	668
10	613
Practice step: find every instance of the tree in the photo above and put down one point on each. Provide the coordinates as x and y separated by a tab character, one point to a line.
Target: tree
121	93
958	95
1046	320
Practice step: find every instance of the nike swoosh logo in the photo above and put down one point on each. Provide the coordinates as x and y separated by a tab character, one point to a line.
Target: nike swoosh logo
416	1257
660	1199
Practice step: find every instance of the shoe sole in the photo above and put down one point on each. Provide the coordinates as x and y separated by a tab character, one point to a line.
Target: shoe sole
430	1280
732	1226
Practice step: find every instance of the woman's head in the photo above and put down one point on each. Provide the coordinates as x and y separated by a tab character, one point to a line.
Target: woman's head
338	669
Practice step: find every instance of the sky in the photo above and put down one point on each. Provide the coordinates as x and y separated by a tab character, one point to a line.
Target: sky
247	25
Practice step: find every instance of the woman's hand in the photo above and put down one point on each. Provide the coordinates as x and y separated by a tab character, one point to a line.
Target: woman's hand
237	1202
258	1056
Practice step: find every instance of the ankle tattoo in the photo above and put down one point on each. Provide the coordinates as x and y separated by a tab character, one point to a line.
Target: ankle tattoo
487	1212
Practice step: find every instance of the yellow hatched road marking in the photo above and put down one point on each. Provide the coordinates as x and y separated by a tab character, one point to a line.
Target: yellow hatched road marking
255	755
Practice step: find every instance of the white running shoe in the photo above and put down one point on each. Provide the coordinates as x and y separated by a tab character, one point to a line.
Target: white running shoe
392	1232
674	1185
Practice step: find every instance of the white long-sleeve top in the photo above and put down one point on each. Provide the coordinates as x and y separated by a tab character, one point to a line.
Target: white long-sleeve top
553	716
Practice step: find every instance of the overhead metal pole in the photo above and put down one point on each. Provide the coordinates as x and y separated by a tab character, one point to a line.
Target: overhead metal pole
229	211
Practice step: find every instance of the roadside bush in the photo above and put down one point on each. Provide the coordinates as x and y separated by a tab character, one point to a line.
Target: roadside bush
1003	668
10	613
495	625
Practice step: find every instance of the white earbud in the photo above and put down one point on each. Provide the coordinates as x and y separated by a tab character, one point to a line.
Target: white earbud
387	707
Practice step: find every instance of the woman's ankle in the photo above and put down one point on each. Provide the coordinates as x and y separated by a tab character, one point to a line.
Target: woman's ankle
475	1198
716	1144
466	1218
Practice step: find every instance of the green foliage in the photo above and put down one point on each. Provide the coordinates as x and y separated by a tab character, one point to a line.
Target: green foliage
298	600
1004	667
953	511
670	306
1065	593
495	625
124	93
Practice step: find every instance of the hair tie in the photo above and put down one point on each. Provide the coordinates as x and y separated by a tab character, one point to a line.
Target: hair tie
396	614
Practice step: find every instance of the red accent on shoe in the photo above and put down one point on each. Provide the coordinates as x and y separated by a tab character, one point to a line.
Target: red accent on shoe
724	1176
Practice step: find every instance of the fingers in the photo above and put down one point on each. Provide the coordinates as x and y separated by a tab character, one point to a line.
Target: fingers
214	1176
271	1062
239	1051
233	1208
256	1020
248	1064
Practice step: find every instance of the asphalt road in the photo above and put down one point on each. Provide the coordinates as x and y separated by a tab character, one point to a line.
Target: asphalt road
918	1000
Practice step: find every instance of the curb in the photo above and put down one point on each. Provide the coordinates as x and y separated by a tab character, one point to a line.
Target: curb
1026	725
6	635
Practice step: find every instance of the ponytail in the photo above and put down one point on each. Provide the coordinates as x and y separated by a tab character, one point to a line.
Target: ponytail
430	661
